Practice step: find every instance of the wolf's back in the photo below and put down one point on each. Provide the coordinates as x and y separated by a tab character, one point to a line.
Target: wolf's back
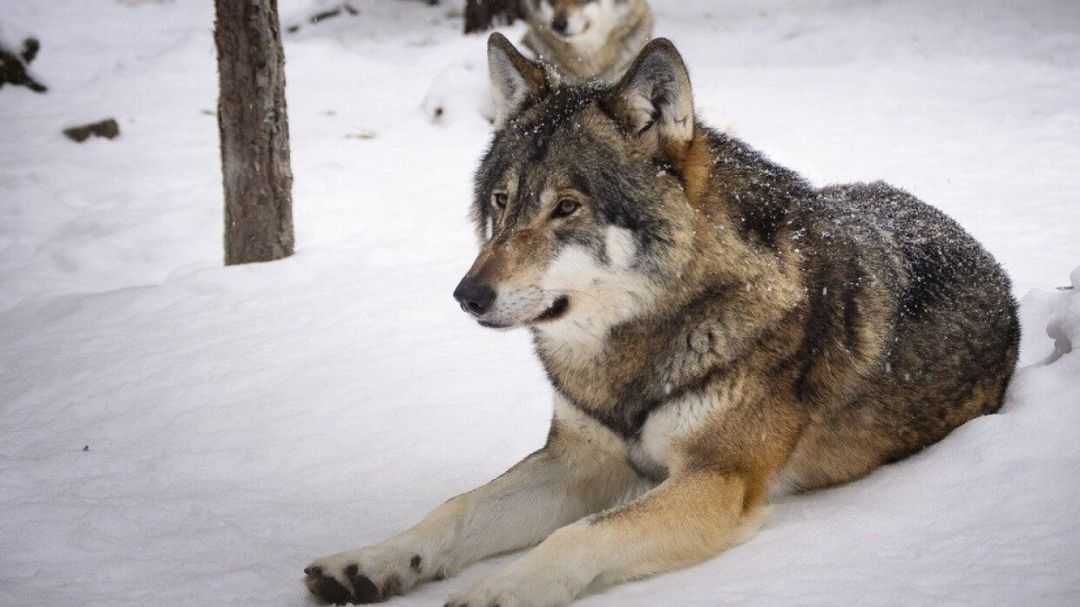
952	335
938	264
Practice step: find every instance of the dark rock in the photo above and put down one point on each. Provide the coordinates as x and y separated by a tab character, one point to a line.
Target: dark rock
106	128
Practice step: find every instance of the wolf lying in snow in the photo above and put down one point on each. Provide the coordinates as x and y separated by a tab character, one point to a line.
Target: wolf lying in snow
714	328
582	39
587	39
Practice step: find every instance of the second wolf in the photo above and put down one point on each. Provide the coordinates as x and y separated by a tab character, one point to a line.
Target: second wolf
588	39
714	329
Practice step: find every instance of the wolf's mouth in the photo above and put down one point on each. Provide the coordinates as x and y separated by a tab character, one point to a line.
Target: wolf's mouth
557	309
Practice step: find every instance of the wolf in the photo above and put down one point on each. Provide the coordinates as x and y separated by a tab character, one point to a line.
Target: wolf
715	330
587	39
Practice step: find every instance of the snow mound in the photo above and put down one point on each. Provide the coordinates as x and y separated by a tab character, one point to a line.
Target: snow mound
1064	328
460	88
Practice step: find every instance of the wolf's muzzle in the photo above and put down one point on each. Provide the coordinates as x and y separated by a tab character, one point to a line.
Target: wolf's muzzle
475	297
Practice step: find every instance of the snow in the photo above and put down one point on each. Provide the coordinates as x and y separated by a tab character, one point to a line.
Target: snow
241	421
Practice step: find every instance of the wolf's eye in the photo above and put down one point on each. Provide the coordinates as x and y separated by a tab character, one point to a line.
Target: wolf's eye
499	199
567	206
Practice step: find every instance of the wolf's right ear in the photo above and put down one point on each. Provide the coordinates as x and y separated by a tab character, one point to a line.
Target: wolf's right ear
653	99
514	78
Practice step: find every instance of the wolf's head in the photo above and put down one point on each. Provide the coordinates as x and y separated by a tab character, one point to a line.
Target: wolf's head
572	18
580	204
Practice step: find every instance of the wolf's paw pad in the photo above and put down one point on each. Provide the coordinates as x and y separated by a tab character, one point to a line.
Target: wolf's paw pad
360	577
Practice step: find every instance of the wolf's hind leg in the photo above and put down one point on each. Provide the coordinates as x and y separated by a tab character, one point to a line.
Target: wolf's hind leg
576	474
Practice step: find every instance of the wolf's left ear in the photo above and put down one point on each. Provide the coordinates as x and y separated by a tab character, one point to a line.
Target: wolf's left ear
514	79
653	99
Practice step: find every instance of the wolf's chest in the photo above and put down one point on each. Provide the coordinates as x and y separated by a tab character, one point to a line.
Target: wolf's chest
667	432
617	397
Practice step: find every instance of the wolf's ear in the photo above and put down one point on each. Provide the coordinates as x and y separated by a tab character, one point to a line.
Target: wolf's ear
514	79
653	99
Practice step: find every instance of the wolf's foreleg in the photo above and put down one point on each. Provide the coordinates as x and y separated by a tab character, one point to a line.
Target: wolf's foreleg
574	475
691	517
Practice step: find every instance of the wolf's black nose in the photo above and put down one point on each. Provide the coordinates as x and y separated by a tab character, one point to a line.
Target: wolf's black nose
474	297
559	24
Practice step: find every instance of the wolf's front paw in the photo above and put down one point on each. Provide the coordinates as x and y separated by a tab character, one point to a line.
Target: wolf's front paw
514	591
368	575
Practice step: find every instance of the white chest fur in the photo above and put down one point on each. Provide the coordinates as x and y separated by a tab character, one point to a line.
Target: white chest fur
657	448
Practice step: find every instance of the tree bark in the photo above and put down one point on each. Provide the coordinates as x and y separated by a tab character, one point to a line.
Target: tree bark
254	132
481	14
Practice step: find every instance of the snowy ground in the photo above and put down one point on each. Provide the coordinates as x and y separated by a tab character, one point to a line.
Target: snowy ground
241	421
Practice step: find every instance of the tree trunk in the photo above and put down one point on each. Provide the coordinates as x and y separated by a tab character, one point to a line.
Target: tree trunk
254	132
480	14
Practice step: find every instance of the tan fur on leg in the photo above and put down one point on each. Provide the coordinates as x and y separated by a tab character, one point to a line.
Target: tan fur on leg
582	470
689	518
